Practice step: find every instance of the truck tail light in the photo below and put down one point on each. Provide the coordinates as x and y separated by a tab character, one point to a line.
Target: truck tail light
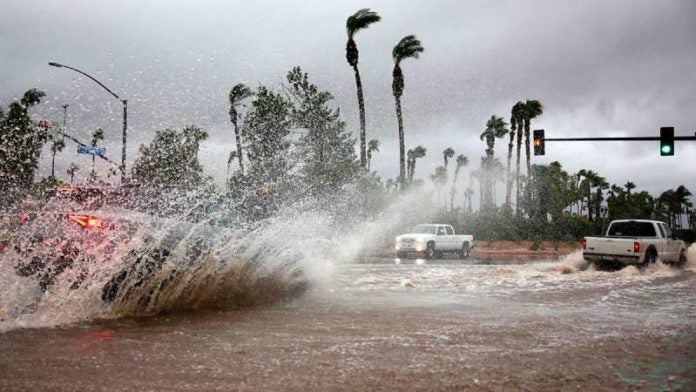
584	244
636	247
86	221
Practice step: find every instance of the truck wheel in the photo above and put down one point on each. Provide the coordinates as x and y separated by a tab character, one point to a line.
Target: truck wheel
430	250
682	258
464	251
650	258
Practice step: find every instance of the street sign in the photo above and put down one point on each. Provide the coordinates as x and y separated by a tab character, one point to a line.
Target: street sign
101	151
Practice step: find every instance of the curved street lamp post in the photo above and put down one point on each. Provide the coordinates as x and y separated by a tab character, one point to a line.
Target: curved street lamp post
125	114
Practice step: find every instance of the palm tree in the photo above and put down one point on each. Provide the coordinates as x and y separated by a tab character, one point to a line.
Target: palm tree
514	121
495	128
238	93
96	137
356	22
72	170
408	47
461	162
56	147
517	110
629	185
447	153
418	152
531	109
372	146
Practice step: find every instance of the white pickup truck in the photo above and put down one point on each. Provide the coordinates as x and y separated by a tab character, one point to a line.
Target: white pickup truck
636	241
433	240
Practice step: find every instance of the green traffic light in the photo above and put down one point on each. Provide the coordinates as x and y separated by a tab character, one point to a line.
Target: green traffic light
666	149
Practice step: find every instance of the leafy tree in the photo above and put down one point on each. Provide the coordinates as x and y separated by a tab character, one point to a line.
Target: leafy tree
356	22
171	159
20	147
326	150
239	93
408	47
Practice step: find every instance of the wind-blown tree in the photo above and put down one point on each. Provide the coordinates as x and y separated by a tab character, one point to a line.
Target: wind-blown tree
72	170
171	159
97	136
356	22
516	112
462	161
326	150
495	129
239	93
372	147
530	110
408	47
439	179
514	116
56	147
20	147
447	153
629	186
417	153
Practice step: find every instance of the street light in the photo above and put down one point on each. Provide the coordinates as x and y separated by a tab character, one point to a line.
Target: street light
125	114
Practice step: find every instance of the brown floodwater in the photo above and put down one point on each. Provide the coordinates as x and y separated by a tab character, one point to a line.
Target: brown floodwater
387	324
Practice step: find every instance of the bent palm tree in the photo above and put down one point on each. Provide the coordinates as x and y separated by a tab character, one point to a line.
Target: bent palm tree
230	159
530	110
514	116
519	121
461	162
416	153
356	22
447	153
238	93
495	128
372	146
408	47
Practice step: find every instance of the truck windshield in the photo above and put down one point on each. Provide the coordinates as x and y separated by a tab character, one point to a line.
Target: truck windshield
424	229
632	229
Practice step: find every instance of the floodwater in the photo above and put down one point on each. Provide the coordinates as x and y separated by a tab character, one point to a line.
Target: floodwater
386	324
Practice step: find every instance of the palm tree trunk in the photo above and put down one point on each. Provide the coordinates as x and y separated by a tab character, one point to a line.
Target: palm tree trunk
526	147
238	140
402	148
361	108
517	171
508	183
454	183
53	165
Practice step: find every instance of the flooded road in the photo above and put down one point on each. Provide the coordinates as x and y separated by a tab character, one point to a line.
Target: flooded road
388	324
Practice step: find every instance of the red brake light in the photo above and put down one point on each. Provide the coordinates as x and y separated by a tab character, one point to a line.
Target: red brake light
584	244
86	221
636	247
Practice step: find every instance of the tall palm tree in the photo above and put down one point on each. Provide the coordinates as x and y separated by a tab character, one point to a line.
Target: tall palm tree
230	159
96	137
462	161
408	47
356	22
239	93
530	110
514	117
372	146
72	170
517	113
495	128
56	147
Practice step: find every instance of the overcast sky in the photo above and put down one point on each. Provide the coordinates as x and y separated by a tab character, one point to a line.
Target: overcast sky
600	68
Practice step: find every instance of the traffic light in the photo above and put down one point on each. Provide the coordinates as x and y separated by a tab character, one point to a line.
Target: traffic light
539	142
667	141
